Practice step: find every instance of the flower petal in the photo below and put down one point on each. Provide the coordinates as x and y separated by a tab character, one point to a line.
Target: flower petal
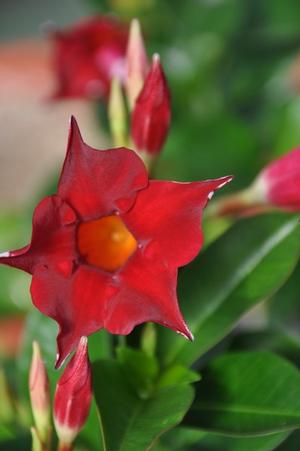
76	303
146	292
166	219
53	239
97	183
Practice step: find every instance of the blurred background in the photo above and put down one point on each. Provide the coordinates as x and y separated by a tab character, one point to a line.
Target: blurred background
233	68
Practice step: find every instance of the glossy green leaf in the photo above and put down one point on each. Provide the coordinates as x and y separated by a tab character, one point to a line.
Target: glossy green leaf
176	375
277	340
129	422
212	442
5	433
284	309
248	393
292	442
141	369
241	268
192	439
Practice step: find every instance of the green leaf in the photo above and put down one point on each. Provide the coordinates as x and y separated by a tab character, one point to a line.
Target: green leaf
292	443
129	422
280	341
284	306
248	393
5	433
191	439
176	375
141	369
241	268
214	442
181	439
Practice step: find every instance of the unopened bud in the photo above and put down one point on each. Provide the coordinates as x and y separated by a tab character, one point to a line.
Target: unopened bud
136	63
278	184
73	396
39	394
152	113
117	114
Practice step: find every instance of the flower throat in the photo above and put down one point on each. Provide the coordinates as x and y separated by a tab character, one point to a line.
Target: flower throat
105	243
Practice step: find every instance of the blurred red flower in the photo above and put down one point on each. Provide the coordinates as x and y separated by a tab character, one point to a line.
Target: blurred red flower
88	55
106	249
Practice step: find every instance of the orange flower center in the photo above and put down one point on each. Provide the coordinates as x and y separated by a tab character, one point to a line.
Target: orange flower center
106	242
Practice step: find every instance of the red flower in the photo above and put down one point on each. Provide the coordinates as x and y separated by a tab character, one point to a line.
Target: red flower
73	396
87	56
152	112
106	249
279	183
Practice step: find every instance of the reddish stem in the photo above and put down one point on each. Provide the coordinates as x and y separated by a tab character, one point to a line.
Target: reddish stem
64	446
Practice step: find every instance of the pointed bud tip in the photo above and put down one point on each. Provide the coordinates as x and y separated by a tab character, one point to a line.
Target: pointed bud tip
4	254
83	341
156	59
135	27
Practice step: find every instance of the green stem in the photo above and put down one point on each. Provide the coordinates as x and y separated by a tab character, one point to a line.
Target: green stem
122	341
237	204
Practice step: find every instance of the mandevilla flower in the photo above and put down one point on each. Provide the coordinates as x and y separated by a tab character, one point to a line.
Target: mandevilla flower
73	397
106	249
278	183
152	112
87	56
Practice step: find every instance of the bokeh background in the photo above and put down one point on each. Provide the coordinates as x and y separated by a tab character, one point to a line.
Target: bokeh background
234	72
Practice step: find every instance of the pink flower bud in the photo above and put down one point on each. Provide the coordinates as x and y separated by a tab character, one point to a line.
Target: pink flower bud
136	63
73	396
279	182
39	394
151	115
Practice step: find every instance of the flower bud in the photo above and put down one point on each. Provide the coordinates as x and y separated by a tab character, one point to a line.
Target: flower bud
117	114
73	396
278	184
39	394
151	115
136	63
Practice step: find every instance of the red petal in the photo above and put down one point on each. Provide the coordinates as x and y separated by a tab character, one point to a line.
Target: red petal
152	112
147	292
53	239
166	219
97	183
77	303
